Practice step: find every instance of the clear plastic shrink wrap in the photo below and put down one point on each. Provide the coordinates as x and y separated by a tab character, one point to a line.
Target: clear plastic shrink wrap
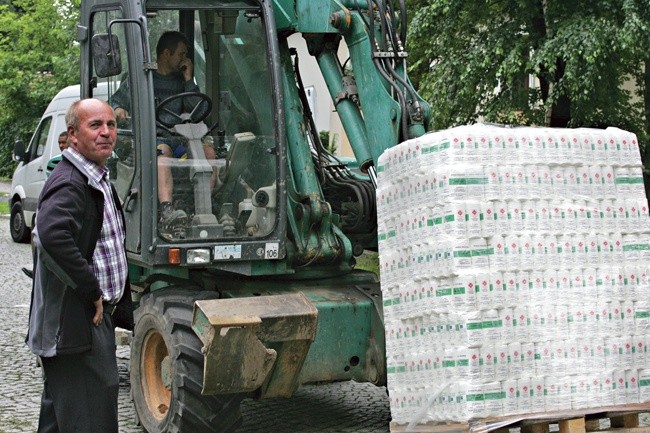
514	267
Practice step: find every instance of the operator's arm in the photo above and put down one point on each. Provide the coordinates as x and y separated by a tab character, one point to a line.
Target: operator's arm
121	101
187	68
190	103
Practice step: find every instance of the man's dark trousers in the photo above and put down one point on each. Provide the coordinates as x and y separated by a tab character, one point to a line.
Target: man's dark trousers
90	380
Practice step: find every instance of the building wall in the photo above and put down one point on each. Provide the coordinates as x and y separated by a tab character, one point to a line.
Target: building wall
322	106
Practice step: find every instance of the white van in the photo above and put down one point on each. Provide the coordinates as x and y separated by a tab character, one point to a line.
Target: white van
30	174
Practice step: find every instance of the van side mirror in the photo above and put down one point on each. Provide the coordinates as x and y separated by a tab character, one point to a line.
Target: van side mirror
19	151
106	55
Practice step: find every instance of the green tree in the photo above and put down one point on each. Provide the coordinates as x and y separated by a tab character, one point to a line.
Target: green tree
38	57
473	58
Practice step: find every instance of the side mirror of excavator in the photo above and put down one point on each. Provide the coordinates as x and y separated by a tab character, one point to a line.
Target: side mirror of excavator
106	55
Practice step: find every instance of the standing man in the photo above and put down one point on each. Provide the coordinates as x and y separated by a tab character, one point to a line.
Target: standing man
80	278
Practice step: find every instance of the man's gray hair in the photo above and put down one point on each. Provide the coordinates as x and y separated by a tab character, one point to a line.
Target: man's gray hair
72	116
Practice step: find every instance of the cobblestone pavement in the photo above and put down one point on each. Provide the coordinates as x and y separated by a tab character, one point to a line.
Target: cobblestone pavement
20	376
344	407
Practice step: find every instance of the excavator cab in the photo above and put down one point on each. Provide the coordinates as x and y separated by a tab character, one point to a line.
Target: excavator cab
224	177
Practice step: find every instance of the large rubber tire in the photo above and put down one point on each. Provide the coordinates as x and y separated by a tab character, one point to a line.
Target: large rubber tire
163	341
17	227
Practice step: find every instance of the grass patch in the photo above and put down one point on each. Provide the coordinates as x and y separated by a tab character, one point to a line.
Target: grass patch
4	208
368	261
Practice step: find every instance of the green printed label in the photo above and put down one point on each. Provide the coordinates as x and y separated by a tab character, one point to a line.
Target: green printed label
459	290
636	247
483	252
492	324
494	395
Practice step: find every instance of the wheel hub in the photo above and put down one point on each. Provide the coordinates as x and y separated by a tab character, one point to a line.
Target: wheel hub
156	378
18	222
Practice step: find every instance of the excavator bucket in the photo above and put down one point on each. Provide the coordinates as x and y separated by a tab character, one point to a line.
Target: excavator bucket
257	343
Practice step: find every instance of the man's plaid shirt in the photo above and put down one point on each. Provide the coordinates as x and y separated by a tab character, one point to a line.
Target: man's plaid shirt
109	259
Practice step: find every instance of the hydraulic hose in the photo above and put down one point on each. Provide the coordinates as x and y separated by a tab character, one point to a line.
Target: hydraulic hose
400	97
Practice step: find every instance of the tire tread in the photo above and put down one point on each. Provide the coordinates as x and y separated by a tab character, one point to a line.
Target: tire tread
190	411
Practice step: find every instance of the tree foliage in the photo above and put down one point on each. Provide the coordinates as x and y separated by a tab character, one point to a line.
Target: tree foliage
473	59
38	57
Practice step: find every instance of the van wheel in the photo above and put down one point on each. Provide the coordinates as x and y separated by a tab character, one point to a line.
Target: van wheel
19	231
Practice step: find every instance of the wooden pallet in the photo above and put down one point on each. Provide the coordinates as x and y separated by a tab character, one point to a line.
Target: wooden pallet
622	419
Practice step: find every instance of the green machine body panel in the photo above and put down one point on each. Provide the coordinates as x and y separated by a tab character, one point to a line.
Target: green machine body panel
348	342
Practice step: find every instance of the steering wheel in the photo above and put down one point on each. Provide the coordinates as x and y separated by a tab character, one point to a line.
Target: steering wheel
163	107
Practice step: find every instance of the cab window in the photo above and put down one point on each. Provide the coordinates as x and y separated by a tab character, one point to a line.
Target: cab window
224	182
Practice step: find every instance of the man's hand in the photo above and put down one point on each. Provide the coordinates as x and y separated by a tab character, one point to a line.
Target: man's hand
187	69
99	312
121	114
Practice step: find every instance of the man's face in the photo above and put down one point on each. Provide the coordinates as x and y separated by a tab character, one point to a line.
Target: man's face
95	138
177	57
63	143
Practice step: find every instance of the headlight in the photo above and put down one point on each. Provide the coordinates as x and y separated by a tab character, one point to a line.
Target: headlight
198	256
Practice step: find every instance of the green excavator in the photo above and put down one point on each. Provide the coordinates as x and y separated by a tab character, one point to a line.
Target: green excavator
255	291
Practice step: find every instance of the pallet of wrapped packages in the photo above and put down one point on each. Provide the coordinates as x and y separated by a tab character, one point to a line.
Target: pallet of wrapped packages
514	273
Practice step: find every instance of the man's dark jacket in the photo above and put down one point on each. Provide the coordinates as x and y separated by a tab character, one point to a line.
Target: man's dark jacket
69	222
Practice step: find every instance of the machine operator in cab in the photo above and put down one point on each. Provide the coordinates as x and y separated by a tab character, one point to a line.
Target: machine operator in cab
175	75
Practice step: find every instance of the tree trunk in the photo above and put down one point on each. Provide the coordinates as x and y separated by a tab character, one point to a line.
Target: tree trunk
559	114
646	104
561	109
